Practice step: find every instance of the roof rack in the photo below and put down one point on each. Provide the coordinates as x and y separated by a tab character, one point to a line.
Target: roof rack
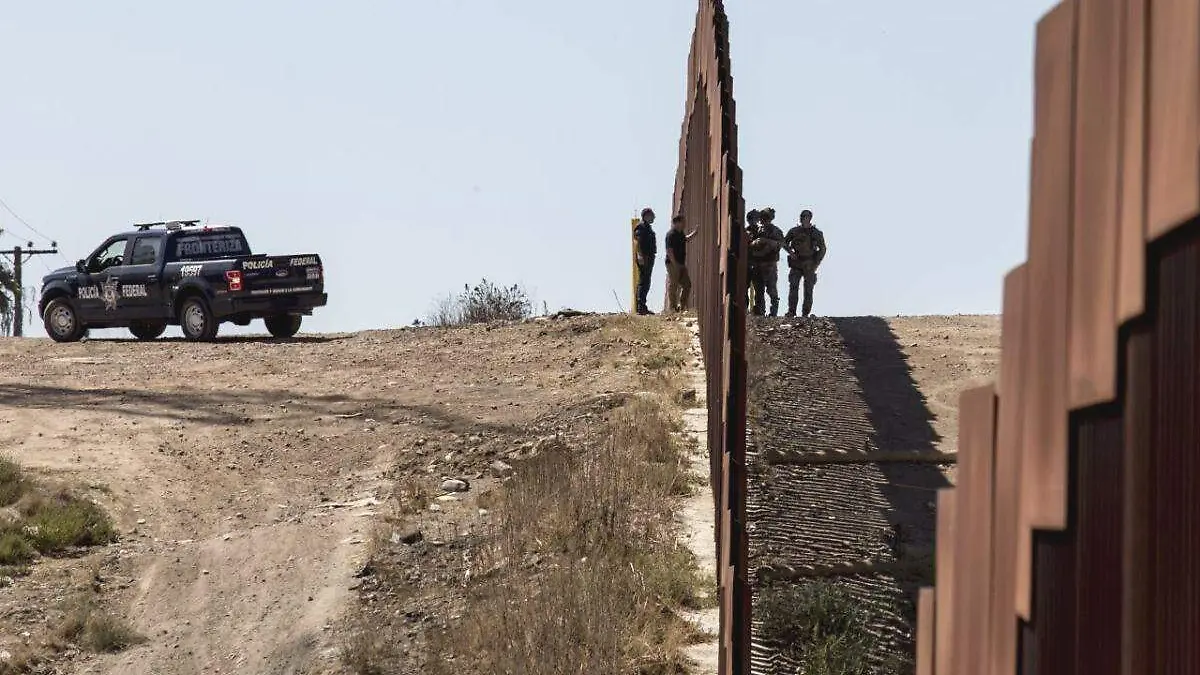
169	224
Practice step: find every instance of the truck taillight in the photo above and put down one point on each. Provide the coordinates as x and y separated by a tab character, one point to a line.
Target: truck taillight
234	277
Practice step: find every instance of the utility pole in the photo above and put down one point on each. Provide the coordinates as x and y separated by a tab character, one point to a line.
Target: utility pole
18	254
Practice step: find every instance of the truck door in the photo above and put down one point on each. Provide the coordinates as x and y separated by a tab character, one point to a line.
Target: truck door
140	288
97	297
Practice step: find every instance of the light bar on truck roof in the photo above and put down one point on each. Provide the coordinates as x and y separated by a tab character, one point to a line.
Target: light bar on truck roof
169	224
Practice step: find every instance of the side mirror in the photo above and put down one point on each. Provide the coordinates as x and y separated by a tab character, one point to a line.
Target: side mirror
80	266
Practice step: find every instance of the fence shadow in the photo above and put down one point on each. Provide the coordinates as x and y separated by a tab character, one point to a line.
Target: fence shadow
901	422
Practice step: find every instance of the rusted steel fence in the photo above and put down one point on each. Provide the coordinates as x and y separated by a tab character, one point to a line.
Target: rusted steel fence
708	194
1071	542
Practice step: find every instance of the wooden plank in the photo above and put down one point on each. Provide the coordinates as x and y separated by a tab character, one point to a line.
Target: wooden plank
1044	486
1131	272
946	620
1173	116
926	616
1092	352
1002	645
973	541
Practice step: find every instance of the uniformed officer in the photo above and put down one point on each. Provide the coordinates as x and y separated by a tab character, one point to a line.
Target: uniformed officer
647	249
679	284
752	218
765	245
806	249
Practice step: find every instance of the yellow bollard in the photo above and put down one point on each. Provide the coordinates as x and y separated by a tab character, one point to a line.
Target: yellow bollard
634	271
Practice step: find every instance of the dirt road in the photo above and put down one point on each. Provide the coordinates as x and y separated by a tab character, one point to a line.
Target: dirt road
247	476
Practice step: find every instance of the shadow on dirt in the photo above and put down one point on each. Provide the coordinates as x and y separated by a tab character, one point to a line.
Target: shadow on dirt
235	339
901	420
236	407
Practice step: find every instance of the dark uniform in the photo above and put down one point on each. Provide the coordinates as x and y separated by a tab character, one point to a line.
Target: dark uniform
679	284
765	245
752	218
647	246
806	249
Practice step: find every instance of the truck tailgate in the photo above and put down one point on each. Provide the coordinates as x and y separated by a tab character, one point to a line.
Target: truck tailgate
281	275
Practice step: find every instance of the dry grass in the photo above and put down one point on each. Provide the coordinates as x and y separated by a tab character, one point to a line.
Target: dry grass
49	523
591	572
92	627
823	627
12	482
579	568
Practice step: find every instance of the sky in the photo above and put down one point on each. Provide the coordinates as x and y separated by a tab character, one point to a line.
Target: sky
421	146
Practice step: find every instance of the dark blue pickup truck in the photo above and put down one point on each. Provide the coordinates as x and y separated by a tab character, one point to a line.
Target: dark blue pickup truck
179	273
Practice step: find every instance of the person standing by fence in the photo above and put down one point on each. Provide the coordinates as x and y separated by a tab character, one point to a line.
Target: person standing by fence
751	232
806	249
765	245
647	250
679	283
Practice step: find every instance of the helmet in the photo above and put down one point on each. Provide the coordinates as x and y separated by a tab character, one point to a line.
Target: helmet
768	213
753	215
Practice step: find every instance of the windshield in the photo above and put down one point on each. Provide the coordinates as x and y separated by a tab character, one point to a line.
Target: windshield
208	245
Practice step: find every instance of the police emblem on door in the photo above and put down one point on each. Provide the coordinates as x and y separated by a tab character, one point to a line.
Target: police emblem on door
109	293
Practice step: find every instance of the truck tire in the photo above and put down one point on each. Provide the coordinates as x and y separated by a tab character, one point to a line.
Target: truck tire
197	320
283	326
147	330
62	322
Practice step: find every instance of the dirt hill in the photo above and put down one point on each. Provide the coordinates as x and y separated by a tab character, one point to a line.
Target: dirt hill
258	486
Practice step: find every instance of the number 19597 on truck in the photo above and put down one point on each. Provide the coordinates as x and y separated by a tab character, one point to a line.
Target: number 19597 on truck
180	274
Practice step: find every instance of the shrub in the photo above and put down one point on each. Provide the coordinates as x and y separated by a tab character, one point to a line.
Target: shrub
12	482
821	625
483	303
59	522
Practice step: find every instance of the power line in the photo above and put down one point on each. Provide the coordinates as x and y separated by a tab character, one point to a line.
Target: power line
22	221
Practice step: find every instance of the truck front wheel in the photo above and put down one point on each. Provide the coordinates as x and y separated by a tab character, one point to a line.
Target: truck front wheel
147	330
283	326
62	322
197	321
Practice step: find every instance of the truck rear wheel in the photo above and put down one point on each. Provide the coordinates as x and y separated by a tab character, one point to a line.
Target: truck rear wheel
283	326
147	330
62	322
197	321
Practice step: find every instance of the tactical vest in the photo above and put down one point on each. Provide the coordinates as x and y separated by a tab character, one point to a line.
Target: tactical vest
803	243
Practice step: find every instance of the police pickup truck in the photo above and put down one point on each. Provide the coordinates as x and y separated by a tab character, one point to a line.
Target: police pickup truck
179	273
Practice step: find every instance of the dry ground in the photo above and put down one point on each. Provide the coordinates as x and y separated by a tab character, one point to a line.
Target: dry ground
251	479
830	386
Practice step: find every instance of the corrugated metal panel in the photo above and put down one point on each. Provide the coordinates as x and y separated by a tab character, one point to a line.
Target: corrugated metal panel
973	545
1044	492
1173	141
1092	355
1053	635
1043	489
1014	375
1137	618
945	633
1131	283
926	625
1176	448
1098	523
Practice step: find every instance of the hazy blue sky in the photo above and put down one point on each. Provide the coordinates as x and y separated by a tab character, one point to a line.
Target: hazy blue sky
418	146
